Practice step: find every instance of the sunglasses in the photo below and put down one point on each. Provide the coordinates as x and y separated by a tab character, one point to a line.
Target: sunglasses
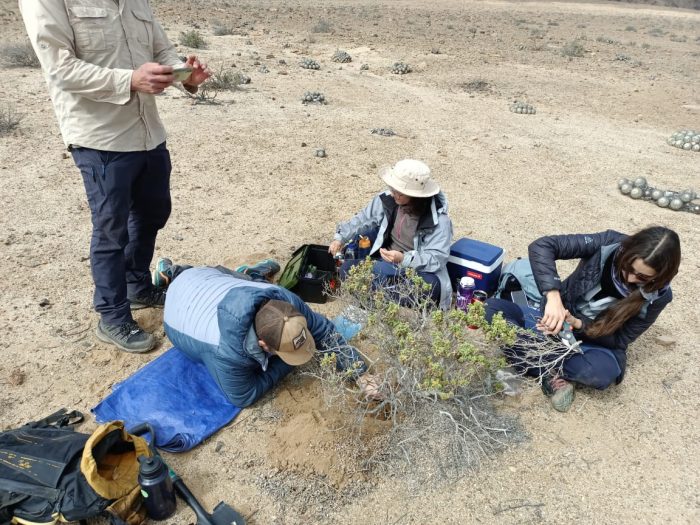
641	277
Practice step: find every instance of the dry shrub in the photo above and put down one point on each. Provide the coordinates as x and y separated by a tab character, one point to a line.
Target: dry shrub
193	39
477	85
437	372
18	55
322	26
9	119
573	49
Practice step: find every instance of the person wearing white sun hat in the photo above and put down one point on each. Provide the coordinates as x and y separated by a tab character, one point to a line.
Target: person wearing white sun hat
409	226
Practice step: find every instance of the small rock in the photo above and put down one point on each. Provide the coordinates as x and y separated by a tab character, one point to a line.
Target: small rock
303	144
219	446
44	303
320	153
665	340
64	155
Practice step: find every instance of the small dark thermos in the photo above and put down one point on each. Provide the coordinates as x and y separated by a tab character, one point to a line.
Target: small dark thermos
156	487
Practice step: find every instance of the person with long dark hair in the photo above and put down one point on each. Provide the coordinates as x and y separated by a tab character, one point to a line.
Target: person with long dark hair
409	228
618	290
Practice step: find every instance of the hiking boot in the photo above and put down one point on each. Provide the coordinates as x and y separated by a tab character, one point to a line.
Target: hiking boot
265	269
163	273
560	391
152	298
127	336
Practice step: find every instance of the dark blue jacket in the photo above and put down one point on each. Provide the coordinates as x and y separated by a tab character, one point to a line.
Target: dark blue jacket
210	316
593	249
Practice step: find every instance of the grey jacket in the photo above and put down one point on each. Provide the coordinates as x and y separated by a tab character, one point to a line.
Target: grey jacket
431	243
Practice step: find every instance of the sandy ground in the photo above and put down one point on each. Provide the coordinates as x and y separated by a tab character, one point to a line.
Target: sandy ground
246	183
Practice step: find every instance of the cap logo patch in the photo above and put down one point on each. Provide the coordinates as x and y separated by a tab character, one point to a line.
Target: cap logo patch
299	340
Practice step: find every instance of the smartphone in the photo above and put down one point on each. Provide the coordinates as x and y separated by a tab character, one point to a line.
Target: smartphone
519	298
181	73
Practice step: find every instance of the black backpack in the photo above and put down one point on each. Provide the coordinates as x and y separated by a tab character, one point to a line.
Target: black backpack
50	473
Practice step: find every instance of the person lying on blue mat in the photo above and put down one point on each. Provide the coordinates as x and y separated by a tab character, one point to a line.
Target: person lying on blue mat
250	334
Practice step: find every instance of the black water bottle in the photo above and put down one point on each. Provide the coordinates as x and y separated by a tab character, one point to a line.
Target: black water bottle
156	487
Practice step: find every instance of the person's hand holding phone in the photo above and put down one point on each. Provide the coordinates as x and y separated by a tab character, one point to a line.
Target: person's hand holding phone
151	78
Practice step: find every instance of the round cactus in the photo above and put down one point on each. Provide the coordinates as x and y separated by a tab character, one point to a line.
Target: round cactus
675	204
384	132
313	97
309	63
636	193
522	108
675	200
685	139
341	57
399	68
640	182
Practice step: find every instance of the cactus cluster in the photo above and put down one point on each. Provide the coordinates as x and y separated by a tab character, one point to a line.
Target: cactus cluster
522	107
687	139
384	132
399	68
341	56
313	97
675	200
309	63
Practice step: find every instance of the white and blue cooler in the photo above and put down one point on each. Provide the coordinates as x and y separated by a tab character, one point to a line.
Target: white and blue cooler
480	260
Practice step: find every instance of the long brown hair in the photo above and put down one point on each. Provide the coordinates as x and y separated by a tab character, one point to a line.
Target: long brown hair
660	249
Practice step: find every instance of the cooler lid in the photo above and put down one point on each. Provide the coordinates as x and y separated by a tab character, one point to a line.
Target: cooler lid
477	251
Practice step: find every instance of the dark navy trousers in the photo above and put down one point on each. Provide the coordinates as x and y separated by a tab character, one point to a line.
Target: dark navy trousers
597	367
129	197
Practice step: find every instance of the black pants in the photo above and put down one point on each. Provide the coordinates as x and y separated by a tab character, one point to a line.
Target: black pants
129	197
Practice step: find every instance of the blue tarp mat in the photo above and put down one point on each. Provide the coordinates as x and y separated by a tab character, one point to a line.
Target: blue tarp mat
176	396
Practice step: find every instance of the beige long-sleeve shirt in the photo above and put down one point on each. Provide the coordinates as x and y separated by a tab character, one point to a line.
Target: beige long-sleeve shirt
88	51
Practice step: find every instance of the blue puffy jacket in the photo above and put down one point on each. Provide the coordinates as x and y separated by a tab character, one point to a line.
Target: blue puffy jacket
210	316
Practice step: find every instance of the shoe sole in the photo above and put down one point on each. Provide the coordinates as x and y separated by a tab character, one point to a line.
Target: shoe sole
106	339
563	399
141	306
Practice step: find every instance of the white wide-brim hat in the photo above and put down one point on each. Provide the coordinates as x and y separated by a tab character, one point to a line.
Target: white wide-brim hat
410	177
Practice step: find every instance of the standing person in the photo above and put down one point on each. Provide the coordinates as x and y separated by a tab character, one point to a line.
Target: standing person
410	228
619	288
103	63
